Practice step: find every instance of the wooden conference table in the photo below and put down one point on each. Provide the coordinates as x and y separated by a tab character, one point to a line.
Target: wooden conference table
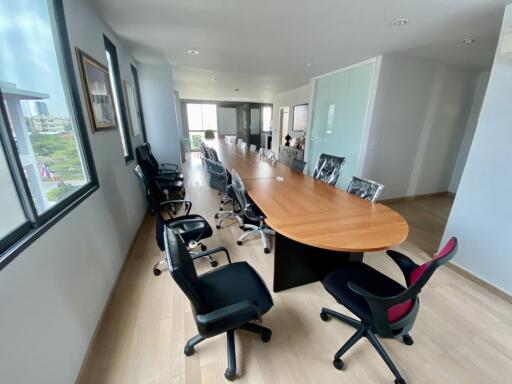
318	227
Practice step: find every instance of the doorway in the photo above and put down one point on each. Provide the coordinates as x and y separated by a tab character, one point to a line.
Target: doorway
202	119
283	123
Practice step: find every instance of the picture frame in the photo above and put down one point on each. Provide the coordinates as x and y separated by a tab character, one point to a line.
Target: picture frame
300	117
98	93
131	108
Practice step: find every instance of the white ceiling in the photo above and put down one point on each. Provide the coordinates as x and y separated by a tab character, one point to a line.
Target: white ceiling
262	46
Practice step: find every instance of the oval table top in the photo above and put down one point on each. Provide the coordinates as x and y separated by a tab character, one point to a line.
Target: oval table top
311	212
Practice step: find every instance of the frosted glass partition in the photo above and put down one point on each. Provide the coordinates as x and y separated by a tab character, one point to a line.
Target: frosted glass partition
338	120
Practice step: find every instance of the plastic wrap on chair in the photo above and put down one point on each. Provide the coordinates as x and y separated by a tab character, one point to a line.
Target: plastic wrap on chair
218	175
365	189
262	152
328	168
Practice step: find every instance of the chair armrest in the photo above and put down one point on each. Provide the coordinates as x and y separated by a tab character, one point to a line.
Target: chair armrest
187	203
212	251
405	264
244	308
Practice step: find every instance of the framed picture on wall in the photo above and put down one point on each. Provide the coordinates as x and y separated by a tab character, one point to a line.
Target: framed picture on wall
98	93
300	117
131	106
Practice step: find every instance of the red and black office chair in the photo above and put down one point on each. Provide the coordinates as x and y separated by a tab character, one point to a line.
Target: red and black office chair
385	307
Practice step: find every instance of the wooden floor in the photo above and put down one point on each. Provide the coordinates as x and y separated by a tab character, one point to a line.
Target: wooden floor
463	333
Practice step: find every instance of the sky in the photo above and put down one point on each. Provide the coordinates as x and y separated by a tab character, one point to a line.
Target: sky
27	52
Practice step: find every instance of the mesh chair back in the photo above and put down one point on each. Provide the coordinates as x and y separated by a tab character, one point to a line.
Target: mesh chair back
241	196
218	175
298	165
212	154
328	168
181	267
365	189
262	152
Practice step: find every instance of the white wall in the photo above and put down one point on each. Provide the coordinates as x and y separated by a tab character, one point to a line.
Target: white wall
481	214
158	103
474	114
419	118
289	98
53	293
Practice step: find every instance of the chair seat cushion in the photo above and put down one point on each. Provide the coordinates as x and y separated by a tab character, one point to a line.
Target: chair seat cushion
336	283
231	284
191	231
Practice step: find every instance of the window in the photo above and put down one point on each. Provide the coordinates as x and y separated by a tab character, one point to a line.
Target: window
117	91
135	76
267	119
200	117
46	167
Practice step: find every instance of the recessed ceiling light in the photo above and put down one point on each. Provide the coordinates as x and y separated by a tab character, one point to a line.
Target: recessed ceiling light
193	52
213	79
237	89
400	22
308	64
468	41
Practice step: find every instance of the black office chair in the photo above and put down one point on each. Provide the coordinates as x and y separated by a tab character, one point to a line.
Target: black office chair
164	169
209	134
365	189
191	227
220	180
385	307
328	168
171	184
226	299
252	213
298	165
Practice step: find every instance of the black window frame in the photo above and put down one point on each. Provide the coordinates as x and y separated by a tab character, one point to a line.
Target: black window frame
112	50
37	224
136	84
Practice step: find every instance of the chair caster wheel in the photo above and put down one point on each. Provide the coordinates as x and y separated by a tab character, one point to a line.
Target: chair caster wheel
203	247
324	316
188	351
221	209
214	263
266	250
239	242
229	375
266	337
217	226
156	272
338	364
407	340
216	216
400	381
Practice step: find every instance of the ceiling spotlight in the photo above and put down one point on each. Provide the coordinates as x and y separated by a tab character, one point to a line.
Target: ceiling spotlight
193	52
213	79
468	41
400	22
308	64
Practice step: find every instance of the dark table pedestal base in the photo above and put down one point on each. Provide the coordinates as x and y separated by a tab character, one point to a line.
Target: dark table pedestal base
298	264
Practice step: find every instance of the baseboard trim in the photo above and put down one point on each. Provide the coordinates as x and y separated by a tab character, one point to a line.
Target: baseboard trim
418	197
481	282
109	298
